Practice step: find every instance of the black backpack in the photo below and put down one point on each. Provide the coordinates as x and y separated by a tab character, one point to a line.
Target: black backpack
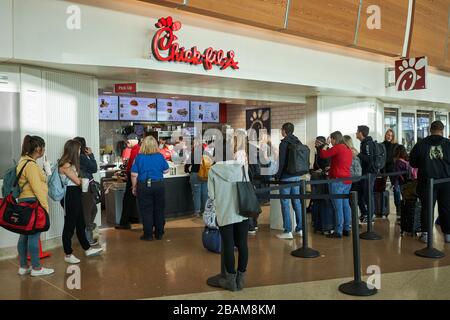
379	156
298	159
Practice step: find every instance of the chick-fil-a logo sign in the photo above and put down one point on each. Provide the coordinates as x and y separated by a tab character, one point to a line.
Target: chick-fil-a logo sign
165	48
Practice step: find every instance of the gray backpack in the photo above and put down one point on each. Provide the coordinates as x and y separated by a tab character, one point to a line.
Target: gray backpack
356	169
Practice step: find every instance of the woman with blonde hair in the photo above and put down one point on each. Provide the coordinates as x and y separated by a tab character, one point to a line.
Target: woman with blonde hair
69	171
390	144
147	178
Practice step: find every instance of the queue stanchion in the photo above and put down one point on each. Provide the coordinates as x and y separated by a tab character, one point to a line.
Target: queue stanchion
370	234
305	251
429	251
356	287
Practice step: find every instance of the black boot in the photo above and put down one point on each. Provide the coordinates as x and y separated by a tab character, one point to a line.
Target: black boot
240	280
229	282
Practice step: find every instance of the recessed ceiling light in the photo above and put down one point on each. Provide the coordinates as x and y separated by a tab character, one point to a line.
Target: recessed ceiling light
107	92
174	97
227	101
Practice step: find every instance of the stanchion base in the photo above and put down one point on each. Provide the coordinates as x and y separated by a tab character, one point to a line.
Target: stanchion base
359	289
214	281
305	253
430	253
42	255
370	236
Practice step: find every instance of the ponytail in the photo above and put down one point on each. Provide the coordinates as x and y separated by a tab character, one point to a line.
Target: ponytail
30	144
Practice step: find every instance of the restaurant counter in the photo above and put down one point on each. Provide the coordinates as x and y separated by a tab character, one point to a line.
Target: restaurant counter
178	197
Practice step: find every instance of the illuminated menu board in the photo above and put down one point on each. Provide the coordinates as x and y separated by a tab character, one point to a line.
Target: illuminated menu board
173	110
137	109
108	107
204	111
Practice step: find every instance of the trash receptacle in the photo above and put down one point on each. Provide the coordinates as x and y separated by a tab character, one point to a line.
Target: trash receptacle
114	197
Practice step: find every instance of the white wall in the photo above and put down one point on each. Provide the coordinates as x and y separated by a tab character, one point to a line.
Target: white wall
6	27
120	35
56	106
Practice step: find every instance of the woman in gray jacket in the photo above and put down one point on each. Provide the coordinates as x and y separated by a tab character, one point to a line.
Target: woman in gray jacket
233	227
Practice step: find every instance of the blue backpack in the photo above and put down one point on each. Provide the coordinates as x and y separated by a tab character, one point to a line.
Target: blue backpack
11	182
56	187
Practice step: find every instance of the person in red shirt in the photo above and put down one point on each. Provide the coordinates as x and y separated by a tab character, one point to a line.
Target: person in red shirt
341	162
129	205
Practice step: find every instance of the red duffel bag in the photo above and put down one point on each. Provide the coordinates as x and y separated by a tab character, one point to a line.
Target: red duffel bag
24	218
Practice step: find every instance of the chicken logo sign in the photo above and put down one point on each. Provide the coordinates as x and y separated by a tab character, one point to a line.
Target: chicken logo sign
165	48
410	74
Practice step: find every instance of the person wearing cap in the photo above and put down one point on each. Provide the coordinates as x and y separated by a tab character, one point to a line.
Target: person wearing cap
129	205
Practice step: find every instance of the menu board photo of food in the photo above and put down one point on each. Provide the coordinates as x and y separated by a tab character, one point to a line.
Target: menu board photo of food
108	107
137	109
173	110
204	111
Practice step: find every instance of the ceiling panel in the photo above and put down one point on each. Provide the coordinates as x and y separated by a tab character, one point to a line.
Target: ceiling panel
430	30
327	20
389	39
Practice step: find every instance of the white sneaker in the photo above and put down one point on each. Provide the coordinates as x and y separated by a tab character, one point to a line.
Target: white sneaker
72	259
286	235
42	272
24	271
92	252
424	237
299	233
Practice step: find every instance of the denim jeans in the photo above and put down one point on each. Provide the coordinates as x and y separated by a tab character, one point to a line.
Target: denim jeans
397	197
29	244
199	192
296	204
343	212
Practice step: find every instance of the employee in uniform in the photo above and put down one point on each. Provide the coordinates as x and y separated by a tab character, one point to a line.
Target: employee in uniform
129	206
148	186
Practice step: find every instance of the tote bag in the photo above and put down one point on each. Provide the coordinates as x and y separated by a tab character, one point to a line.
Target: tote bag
249	206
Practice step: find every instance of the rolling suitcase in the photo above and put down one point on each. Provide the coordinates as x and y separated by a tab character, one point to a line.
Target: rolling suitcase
410	220
382	207
323	215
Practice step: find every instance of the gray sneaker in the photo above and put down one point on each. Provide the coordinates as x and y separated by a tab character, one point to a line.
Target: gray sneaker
447	238
424	237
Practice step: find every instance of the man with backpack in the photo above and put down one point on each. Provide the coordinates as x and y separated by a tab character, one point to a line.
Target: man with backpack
371	156
432	157
293	162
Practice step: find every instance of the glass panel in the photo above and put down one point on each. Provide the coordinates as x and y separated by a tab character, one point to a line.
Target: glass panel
442	117
424	119
391	120
408	128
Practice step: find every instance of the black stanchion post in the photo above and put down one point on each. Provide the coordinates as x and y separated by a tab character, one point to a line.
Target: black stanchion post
305	251
370	234
357	287
430	251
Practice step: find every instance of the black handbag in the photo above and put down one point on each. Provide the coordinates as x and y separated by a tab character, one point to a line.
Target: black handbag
249	206
95	189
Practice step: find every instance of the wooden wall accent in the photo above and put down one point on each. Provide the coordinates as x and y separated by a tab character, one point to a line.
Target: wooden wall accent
326	20
266	13
430	30
390	38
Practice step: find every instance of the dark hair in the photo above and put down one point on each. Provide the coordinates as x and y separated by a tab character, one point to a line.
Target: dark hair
400	152
437	126
82	141
322	139
364	130
337	135
180	138
71	155
288	128
31	143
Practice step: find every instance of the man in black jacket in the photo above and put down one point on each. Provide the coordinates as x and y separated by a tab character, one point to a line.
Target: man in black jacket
366	155
88	166
432	158
287	131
